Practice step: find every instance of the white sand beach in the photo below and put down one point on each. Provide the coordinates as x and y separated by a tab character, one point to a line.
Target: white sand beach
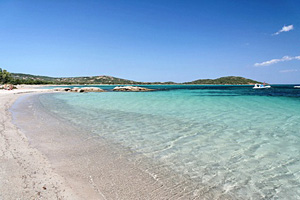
25	173
70	168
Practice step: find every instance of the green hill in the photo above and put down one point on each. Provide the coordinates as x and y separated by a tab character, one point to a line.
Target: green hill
33	79
228	80
28	78
19	78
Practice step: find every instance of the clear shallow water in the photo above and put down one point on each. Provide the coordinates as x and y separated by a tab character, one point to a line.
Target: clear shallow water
240	140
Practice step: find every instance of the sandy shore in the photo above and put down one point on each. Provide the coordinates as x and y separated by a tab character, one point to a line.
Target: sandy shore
68	167
25	173
49	159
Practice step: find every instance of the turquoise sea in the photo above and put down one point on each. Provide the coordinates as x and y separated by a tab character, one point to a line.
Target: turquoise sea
234	138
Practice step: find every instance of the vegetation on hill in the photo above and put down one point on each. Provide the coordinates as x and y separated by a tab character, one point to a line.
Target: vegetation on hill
18	78
228	80
32	79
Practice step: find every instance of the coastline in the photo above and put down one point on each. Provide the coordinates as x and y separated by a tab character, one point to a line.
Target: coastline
99	169
97	142
25	173
48	152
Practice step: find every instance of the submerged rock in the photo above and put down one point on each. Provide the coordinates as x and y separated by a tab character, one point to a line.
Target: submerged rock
131	89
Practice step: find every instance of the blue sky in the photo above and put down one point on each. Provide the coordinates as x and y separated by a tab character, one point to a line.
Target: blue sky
157	40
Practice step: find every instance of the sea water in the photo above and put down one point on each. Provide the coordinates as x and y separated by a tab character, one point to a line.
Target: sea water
242	141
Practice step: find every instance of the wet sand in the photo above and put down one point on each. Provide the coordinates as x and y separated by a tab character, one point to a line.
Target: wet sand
25	173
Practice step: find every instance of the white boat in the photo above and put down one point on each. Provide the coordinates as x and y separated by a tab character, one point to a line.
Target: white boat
261	86
297	86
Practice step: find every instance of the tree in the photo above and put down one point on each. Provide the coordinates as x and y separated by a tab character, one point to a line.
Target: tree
5	76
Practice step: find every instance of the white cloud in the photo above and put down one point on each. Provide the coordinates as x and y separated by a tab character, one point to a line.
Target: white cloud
274	61
285	29
288	70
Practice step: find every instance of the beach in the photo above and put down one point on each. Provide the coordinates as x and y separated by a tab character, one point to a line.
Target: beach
149	100
52	161
178	142
25	173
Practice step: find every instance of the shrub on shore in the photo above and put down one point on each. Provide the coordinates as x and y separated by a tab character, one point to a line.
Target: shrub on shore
5	76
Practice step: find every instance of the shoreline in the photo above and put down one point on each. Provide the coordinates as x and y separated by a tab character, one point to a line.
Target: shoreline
25	173
50	153
99	168
79	167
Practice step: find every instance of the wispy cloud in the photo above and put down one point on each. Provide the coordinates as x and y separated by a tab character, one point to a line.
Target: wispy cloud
284	29
274	61
289	70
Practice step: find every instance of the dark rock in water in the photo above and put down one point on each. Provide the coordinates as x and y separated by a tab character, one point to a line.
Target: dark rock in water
131	89
61	89
75	89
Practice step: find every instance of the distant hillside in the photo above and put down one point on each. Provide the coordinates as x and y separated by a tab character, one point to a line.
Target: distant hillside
228	80
72	80
28	77
33	79
19	78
